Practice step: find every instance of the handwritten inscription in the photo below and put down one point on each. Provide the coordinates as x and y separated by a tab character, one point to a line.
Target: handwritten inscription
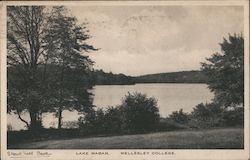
14	154
39	153
28	154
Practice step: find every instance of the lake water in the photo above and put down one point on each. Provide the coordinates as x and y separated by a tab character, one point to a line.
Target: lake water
171	97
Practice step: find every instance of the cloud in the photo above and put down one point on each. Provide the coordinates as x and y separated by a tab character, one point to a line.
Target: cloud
150	39
155	62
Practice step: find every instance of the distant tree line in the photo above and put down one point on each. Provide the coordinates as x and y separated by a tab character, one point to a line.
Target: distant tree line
104	78
173	77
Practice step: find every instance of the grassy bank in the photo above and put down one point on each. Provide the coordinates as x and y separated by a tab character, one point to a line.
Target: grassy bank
232	138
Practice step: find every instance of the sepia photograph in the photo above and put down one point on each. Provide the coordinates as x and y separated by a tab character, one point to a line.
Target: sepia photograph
91	78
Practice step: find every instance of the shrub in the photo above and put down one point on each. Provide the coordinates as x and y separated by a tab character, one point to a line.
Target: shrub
93	122
234	117
112	120
179	117
139	113
205	111
202	116
206	115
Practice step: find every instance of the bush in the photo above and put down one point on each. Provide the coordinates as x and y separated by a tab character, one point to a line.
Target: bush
234	117
93	122
139	113
202	116
179	117
206	111
213	115
113	121
100	121
206	116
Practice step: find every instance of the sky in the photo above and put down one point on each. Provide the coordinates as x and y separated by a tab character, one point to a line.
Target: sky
137	40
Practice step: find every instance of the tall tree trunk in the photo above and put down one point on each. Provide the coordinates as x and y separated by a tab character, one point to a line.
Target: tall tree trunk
35	121
61	98
60	117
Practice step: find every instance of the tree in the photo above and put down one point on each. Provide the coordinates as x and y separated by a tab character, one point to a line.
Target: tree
66	42
25	25
139	113
225	72
47	70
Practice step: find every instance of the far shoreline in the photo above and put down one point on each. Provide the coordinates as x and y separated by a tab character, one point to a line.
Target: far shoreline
150	83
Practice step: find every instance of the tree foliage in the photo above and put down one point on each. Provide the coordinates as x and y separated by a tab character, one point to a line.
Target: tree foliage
137	113
103	78
47	69
207	115
179	116
24	46
204	112
66	43
140	113
225	72
173	77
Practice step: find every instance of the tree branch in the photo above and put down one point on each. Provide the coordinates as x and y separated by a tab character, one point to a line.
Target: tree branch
19	116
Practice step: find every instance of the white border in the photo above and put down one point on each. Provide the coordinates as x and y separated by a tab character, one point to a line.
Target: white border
221	154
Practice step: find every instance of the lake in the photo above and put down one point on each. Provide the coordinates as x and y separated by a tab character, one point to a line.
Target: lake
171	97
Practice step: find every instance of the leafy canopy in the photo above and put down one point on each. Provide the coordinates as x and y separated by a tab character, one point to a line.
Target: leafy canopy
47	66
225	72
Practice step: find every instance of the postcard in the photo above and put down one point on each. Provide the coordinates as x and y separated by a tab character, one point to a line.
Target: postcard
141	80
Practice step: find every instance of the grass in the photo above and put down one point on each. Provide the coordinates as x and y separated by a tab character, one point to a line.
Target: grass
225	138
